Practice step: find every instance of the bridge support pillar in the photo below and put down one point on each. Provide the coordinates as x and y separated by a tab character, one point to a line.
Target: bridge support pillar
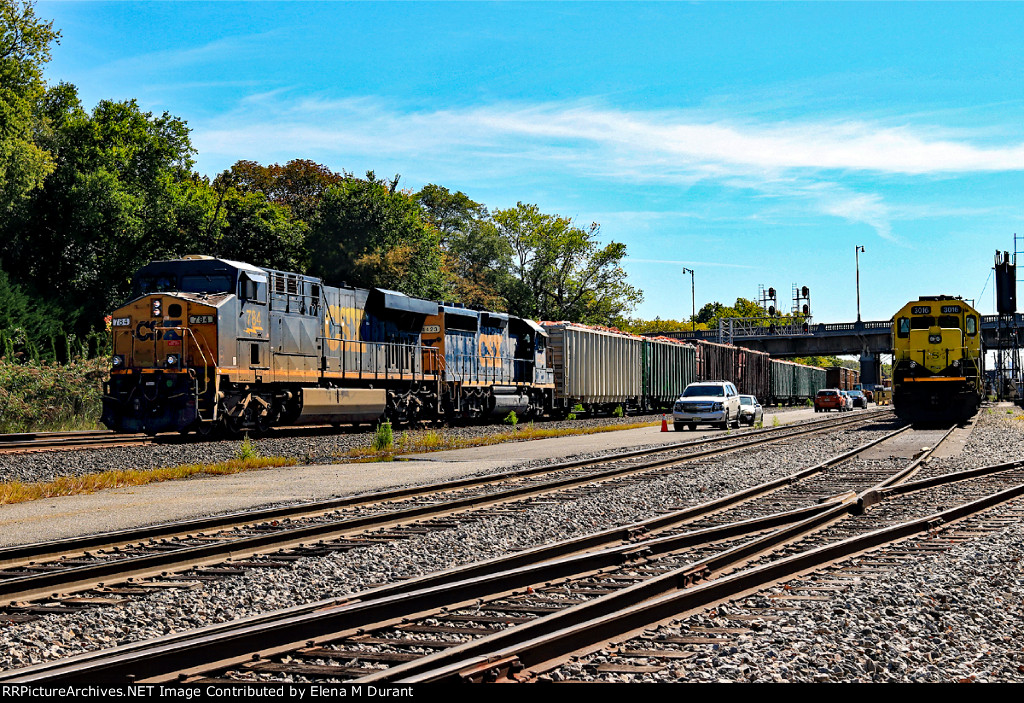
870	369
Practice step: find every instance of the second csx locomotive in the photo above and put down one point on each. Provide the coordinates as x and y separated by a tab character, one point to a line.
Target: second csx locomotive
207	344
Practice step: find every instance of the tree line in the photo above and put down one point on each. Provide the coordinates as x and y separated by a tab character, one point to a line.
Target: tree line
88	196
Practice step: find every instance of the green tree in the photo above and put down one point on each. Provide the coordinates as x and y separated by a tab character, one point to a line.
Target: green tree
640	326
369	233
24	48
711	313
477	260
475	256
450	213
299	185
822	361
561	272
29	327
261	233
122	194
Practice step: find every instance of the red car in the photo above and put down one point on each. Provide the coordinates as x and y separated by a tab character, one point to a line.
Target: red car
829	399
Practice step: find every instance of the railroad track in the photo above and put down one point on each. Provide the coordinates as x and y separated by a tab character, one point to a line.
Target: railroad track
748	623
64	441
118	565
371	605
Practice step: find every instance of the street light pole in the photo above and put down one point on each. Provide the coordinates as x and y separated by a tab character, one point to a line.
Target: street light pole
856	253
693	300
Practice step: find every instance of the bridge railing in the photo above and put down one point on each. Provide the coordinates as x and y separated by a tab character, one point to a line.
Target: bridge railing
761	328
754	327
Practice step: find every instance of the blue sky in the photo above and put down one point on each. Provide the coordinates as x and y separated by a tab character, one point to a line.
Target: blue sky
757	143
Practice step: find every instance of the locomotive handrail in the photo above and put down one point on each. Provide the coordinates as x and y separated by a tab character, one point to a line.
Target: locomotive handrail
504	371
206	362
406	366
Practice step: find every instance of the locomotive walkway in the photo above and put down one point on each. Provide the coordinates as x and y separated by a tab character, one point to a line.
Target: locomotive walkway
124	508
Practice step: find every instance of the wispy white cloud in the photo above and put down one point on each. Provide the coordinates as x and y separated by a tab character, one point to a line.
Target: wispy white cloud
666	138
807	162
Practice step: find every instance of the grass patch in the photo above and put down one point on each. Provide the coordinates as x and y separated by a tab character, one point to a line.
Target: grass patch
435	441
247	450
384	438
42	396
19	492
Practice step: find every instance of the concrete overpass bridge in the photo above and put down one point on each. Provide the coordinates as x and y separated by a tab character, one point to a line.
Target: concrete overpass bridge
866	339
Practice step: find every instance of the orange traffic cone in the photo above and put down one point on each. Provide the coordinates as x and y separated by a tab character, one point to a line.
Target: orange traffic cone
664	424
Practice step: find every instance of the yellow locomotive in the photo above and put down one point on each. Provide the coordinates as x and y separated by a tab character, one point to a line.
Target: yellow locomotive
937	360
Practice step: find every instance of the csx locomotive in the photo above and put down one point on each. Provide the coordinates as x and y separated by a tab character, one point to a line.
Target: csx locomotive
937	360
209	344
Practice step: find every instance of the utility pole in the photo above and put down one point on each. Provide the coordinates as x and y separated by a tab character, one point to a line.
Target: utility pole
856	253
693	300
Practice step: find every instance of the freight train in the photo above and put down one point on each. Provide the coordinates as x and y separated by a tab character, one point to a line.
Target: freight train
937	371
210	345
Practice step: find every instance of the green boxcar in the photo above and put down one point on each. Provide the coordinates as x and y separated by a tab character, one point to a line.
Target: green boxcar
794	383
668	367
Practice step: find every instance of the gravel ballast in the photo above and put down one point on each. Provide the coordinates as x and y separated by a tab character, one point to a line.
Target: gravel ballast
305	446
975	583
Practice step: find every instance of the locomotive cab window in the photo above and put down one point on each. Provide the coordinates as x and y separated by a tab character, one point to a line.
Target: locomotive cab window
903	327
949	321
156	284
314	299
972	325
205	284
922	323
253	291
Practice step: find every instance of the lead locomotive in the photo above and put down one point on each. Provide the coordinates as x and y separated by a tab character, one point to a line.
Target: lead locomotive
208	344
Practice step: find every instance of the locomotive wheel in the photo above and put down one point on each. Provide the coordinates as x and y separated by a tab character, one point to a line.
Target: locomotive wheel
263	424
233	427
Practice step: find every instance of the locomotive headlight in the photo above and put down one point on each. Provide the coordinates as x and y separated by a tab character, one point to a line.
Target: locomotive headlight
956	362
117	361
935	339
172	359
913	364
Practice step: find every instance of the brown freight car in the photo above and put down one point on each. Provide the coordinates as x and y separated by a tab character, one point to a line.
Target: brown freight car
747	369
841	377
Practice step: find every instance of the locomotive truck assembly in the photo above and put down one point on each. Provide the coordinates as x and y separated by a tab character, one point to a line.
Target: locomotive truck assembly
209	344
